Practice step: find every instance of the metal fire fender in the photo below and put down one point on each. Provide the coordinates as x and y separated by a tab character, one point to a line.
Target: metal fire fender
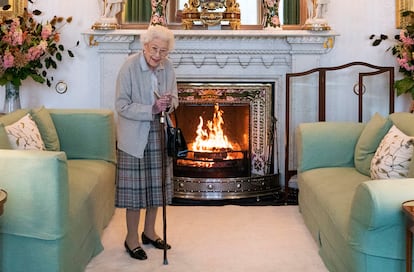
228	188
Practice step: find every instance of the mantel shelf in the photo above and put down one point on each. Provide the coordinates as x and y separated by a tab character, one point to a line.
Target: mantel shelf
326	38
218	33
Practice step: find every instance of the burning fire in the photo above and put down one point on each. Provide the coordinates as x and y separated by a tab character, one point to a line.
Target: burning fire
211	139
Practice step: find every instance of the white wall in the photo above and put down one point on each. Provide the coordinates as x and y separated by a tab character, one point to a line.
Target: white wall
354	20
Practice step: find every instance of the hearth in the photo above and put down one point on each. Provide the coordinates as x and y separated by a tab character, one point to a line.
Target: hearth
229	129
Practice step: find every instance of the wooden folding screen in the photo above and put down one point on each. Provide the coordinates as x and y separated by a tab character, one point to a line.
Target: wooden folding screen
359	90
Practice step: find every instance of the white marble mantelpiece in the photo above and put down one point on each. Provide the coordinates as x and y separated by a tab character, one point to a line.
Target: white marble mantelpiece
220	56
225	55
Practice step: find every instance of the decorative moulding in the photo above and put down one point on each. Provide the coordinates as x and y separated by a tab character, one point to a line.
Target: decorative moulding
222	47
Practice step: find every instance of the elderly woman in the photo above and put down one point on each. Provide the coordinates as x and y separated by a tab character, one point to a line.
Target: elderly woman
146	86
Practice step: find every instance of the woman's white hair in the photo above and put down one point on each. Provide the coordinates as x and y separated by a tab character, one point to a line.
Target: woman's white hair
160	32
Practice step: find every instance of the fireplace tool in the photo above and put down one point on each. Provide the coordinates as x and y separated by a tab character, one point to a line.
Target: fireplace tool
163	185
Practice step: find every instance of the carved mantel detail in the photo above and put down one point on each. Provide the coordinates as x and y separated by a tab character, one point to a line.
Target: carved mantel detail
222	48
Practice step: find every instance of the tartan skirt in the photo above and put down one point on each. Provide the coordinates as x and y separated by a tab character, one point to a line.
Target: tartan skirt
139	181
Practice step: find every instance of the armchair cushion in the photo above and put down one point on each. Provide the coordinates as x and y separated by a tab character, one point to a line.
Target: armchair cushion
404	122
368	142
4	140
84	134
411	169
6	120
327	144
47	128
12	117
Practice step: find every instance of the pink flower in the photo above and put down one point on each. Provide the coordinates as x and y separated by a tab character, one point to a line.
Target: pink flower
404	60
270	3
275	20
46	31
15	24
155	18
7	39
17	37
161	20
34	53
8	60
404	64
406	40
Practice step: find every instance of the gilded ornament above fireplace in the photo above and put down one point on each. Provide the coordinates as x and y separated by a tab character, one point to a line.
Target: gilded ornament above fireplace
211	13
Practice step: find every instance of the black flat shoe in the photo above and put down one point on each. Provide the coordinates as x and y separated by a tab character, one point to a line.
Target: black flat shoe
136	253
159	243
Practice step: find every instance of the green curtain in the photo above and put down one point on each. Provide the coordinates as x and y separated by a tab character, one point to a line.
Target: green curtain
291	12
138	11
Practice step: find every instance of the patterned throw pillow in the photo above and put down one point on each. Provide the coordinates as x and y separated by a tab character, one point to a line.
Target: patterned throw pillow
393	156
24	134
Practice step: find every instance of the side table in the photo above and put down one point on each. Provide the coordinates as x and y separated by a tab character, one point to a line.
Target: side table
3	199
408	208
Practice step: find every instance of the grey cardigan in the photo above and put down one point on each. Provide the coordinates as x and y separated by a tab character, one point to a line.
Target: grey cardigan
134	100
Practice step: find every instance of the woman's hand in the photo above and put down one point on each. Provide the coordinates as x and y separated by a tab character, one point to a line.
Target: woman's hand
161	104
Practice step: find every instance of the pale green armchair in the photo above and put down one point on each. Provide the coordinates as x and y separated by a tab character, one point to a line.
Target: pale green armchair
59	201
357	222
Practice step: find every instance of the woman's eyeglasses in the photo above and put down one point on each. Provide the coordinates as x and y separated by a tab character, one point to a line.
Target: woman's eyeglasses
153	50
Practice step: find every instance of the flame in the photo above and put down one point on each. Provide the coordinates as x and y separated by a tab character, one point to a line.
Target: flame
212	138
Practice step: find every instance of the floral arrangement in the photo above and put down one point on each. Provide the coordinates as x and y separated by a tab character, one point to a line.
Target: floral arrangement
404	52
271	13
158	12
29	48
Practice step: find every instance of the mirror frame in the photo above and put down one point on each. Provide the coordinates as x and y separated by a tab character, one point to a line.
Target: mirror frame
400	6
17	8
172	5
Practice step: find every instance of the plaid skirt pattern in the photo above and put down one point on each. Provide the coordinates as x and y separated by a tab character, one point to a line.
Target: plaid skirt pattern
139	181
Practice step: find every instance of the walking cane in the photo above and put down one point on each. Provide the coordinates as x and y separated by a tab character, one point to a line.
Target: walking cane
164	184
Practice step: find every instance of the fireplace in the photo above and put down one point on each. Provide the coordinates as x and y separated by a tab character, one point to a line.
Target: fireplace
223	56
229	130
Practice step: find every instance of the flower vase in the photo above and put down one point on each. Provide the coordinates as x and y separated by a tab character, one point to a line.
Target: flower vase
271	14
158	15
12	99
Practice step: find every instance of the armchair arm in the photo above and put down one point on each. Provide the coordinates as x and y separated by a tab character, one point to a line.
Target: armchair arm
326	144
37	186
377	223
86	134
